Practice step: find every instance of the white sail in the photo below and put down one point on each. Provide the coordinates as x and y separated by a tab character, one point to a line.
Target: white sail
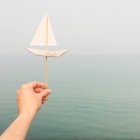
44	35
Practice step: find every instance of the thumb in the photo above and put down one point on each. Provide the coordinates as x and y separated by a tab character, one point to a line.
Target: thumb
45	93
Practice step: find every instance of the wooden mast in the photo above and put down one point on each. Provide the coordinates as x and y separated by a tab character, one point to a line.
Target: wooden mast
46	61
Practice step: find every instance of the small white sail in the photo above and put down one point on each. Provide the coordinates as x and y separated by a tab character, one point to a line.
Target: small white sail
47	53
44	35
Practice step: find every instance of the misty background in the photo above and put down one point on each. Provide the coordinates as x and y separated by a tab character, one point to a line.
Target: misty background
81	26
93	97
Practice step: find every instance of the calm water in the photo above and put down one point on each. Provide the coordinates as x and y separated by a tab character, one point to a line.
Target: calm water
93	97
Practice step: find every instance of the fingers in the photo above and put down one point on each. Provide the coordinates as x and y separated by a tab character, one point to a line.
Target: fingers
44	99
38	85
38	90
45	93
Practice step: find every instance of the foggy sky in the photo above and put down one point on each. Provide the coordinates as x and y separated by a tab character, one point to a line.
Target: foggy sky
82	26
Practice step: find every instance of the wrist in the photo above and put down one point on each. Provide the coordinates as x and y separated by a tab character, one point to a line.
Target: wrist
26	118
28	114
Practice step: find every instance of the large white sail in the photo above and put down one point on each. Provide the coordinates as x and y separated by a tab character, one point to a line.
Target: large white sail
44	35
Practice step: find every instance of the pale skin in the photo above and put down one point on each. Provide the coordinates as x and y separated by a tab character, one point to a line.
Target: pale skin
30	98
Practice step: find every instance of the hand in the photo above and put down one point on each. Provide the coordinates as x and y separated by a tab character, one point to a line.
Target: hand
31	96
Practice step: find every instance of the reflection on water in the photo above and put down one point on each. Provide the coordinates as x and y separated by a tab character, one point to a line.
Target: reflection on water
93	97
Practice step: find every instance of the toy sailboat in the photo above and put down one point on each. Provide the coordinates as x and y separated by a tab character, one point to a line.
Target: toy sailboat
44	37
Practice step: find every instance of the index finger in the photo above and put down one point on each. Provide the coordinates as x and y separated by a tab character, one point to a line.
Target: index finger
38	85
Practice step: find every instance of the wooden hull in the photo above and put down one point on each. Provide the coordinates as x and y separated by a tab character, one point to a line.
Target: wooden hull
47	53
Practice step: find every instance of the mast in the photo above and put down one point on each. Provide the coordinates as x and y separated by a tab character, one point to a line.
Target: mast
46	61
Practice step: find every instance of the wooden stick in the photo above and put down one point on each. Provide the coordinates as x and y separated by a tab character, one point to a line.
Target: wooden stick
46	61
46	71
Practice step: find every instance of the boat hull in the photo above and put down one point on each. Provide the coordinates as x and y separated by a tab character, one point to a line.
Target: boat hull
47	53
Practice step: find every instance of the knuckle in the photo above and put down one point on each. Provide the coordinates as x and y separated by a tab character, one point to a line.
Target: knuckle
23	86
34	82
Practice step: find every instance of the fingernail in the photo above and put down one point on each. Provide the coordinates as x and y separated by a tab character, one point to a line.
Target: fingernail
49	91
